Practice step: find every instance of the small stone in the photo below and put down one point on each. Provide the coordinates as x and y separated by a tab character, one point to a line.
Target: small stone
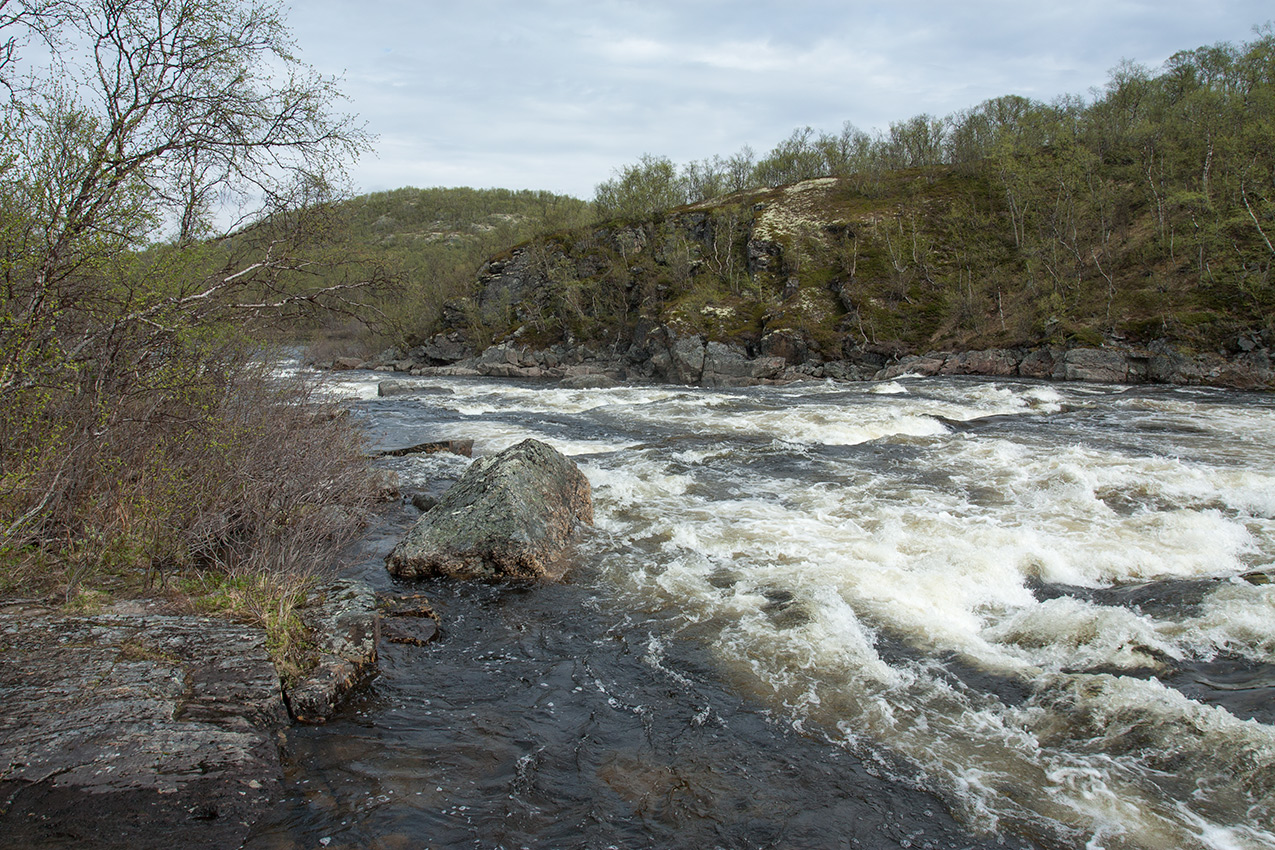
423	502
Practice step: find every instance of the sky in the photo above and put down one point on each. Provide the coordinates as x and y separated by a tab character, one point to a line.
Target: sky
559	94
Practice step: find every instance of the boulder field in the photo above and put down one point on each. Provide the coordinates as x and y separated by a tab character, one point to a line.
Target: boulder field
659	355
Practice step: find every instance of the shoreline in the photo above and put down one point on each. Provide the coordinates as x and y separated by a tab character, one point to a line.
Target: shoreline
661	357
124	728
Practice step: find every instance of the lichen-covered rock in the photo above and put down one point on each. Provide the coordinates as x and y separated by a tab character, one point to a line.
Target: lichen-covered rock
346	627
511	514
124	731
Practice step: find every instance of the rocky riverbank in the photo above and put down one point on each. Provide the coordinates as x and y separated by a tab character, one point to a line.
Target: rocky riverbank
659	355
136	728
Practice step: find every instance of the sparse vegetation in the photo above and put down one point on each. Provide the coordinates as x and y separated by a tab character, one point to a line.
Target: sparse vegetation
1145	213
434	240
142	439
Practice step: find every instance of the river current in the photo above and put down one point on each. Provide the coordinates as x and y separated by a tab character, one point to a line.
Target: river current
941	613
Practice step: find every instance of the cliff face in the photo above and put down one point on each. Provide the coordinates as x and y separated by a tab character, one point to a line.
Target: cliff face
730	270
830	271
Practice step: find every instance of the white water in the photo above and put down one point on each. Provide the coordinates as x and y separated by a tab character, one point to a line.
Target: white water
872	569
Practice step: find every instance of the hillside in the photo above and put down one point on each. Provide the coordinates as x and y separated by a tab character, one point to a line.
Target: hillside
429	242
824	271
1140	220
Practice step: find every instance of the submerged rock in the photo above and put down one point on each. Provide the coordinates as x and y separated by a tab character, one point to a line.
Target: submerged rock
510	515
394	386
409	620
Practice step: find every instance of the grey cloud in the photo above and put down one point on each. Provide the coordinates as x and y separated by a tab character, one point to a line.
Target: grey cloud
555	94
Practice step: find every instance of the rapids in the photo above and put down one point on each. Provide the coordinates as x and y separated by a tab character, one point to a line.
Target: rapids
924	613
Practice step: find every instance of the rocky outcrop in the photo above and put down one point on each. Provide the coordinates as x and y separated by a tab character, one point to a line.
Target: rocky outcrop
123	731
510	515
656	353
127	729
681	361
443	349
996	362
1115	365
1095	364
343	618
464	448
730	366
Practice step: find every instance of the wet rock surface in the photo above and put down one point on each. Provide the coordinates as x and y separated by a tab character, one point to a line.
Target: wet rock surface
137	729
347	628
464	448
127	731
510	515
409	620
658	354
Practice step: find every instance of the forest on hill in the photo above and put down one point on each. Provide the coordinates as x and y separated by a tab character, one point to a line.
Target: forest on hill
1142	213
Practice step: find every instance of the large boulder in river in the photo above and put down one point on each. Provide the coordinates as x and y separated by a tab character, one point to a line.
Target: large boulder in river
511	515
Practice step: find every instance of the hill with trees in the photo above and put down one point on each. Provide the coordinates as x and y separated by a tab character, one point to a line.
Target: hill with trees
1142	216
431	242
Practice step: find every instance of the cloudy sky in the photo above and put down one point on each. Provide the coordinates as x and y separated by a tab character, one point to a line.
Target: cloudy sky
556	94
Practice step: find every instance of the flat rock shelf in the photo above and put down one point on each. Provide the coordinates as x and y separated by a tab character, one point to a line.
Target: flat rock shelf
123	731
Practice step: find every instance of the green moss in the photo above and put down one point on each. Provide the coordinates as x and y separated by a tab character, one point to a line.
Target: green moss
1087	337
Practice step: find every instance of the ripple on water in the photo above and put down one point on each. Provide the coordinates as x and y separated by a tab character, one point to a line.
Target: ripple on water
1021	595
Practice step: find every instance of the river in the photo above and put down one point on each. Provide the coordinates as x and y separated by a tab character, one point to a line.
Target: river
931	613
